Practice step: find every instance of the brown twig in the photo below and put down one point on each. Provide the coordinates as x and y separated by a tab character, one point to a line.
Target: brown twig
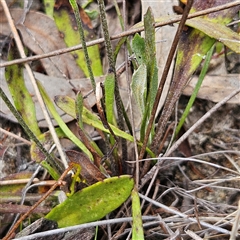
120	35
56	184
200	121
154	196
33	81
15	136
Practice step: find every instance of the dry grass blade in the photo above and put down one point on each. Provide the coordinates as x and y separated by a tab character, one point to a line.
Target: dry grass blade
234	232
175	212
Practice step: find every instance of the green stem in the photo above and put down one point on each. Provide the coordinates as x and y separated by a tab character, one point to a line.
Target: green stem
83	41
195	92
112	69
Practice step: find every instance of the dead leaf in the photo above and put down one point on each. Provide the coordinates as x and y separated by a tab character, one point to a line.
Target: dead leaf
54	86
40	34
89	171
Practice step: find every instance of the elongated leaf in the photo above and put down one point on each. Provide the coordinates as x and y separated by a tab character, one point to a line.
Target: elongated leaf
66	23
221	33
194	95
139	87
145	80
137	228
92	203
21	97
67	104
61	123
150	45
109	86
79	109
192	49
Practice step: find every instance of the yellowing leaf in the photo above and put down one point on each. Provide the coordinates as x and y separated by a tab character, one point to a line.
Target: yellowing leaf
92	203
20	95
218	31
66	23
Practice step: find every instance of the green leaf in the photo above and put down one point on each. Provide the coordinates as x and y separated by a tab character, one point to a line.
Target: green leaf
48	5
139	87
109	87
137	228
138	47
149	44
20	95
66	23
145	78
192	49
79	109
118	47
195	92
92	203
60	122
67	104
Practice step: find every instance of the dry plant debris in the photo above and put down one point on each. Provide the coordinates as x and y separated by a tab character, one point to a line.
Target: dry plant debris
192	194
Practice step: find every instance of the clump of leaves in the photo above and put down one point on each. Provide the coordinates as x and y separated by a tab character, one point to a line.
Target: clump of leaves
194	44
99	197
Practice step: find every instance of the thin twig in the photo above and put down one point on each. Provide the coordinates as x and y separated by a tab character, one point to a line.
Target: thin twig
186	217
235	226
161	164
55	185
174	19
24	192
15	136
86	225
233	162
33	81
200	121
156	190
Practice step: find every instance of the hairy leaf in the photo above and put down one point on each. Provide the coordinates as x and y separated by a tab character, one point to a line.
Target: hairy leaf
139	87
109	86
